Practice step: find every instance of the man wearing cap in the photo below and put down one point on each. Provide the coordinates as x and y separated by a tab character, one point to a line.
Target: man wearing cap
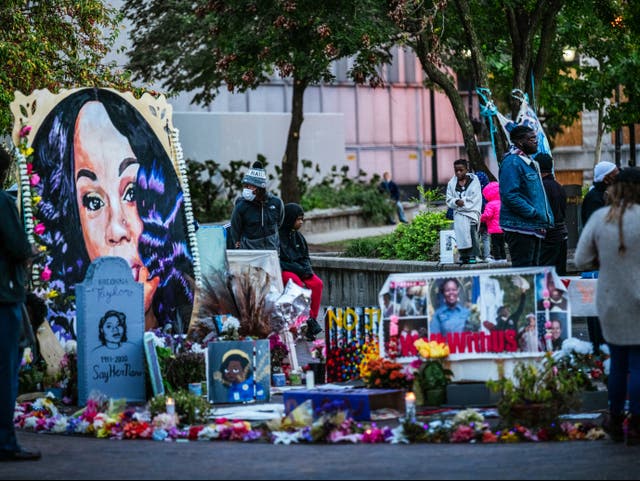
525	214
604	174
257	215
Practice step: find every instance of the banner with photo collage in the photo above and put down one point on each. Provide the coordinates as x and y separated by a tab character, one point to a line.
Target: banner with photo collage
491	311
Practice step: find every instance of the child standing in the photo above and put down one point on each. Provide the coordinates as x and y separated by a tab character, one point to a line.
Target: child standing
464	196
491	217
296	264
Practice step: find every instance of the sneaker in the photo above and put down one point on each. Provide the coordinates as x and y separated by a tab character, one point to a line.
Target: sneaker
20	455
313	329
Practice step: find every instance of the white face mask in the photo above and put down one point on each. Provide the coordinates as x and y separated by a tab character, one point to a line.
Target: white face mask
248	194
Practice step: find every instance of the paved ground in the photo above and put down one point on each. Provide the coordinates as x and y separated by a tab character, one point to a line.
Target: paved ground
74	457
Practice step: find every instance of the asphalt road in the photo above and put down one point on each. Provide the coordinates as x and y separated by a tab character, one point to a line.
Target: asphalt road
76	457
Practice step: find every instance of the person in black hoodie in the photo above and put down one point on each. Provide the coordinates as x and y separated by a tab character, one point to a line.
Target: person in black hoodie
296	264
15	252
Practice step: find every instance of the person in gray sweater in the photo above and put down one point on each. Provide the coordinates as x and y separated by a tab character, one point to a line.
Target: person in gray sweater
611	242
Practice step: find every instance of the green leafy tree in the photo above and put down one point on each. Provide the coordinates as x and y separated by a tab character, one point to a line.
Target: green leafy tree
201	46
51	45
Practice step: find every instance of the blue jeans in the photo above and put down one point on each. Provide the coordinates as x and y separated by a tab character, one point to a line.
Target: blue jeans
10	325
624	378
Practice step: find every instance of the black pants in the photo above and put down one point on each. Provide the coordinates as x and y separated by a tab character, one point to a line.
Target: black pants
524	249
498	251
595	333
474	250
554	254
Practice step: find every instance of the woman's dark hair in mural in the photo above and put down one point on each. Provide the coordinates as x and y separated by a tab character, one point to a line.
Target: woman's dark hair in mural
162	246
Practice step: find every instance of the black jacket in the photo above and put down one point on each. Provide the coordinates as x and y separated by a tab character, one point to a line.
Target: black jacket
294	252
15	250
255	223
593	201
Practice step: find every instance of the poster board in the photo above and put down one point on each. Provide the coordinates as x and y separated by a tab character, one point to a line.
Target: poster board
238	371
488	312
155	374
89	155
448	246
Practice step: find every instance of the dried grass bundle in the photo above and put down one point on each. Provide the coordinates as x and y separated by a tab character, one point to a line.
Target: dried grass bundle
243	295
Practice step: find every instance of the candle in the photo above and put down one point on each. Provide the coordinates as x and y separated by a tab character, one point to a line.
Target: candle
310	379
170	406
410	406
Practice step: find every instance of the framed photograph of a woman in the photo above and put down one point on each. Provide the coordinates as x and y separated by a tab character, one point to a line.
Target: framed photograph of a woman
108	184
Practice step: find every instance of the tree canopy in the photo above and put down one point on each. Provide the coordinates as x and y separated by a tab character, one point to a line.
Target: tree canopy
52	45
206	45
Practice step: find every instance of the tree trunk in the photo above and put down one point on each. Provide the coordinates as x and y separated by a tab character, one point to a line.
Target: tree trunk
457	103
290	187
599	133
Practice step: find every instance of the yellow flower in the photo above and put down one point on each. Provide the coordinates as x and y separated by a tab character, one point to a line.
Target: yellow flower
36	199
26	152
52	294
42	248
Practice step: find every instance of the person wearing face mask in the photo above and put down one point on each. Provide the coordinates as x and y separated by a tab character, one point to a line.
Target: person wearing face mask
257	215
525	213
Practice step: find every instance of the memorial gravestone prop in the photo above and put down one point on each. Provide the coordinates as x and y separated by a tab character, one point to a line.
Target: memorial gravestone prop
110	308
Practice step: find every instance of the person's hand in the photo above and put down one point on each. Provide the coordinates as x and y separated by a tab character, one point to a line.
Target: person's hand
237	244
459	202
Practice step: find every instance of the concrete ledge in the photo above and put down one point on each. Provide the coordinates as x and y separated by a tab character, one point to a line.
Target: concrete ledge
344	218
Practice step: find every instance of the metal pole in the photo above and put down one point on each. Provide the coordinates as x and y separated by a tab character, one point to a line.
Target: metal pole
434	148
618	133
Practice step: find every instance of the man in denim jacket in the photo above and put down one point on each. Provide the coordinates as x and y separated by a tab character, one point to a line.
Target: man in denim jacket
525	214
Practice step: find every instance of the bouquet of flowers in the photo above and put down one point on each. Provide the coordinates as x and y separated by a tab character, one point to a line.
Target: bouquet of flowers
387	374
319	351
430	371
578	357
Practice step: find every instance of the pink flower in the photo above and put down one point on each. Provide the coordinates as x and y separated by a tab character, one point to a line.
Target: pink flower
39	229
24	131
545	293
45	275
546	303
547	325
35	180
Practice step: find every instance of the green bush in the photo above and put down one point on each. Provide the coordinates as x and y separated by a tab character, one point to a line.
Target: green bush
364	247
417	241
190	408
184	368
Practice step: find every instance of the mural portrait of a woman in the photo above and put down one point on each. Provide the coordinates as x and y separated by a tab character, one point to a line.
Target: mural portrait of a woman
109	188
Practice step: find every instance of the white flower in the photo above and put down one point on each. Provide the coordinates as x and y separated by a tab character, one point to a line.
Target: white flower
82	427
158	341
31	422
284	437
208	433
468	416
573	344
70	347
398	436
197	348
60	425
230	324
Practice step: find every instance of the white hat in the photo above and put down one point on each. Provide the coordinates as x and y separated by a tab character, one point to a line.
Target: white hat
602	169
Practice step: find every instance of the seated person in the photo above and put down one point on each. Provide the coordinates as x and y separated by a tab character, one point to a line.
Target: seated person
296	264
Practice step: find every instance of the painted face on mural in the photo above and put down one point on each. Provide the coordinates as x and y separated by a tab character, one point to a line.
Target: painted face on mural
105	176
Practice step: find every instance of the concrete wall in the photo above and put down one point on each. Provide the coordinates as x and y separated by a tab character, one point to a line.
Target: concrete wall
227	136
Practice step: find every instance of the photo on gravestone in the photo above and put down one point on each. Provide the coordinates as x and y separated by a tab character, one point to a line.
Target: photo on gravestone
110	310
238	371
107	177
153	364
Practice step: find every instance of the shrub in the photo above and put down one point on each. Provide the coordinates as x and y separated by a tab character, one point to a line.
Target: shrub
190	408
364	247
417	241
184	368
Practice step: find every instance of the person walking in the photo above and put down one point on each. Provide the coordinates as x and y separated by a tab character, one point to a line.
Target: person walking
525	214
257	215
389	187
15	252
611	242
464	196
604	173
553	251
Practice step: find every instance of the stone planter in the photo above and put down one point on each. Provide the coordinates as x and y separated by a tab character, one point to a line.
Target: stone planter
435	397
594	400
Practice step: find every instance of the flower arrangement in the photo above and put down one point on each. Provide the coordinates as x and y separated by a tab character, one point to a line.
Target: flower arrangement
319	350
538	392
387	374
577	356
278	351
431	374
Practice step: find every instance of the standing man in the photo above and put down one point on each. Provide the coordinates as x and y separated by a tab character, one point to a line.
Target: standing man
525	214
388	186
15	251
554	246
